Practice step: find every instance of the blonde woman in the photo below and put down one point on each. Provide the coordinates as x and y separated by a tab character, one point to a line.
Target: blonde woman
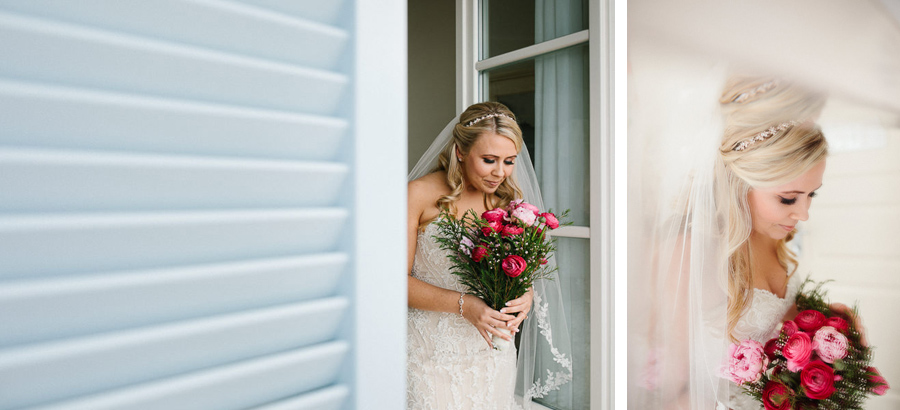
451	363
729	273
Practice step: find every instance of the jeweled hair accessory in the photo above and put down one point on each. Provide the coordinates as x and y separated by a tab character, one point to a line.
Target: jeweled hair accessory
769	133
746	95
484	117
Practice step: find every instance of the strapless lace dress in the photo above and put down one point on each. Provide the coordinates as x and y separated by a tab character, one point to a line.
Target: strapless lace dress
449	365
760	323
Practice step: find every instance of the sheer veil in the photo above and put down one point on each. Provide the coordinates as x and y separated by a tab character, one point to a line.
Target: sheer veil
677	292
544	354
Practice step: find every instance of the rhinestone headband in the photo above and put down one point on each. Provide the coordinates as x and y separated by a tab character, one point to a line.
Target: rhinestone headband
769	133
484	117
746	95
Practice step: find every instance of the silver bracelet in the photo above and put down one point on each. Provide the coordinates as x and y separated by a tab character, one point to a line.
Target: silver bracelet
461	294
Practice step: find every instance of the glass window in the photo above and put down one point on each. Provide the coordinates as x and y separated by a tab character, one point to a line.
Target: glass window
549	95
510	24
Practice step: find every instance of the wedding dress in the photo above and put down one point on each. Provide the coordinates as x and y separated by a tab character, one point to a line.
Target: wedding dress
450	366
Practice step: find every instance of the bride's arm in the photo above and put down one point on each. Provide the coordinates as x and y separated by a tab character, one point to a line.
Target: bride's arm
425	296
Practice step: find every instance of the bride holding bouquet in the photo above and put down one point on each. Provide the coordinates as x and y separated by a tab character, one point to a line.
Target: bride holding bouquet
478	163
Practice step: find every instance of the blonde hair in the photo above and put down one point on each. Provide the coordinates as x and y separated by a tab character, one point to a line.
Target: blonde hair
475	121
779	159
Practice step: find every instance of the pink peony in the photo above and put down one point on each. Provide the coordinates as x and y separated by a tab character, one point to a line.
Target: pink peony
776	396
514	204
881	385
510	230
466	245
527	216
513	265
747	362
830	344
837	323
817	380
494	215
810	320
550	220
797	350
479	253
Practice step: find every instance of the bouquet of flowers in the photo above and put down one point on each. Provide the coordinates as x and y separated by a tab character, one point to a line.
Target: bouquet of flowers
818	361
499	255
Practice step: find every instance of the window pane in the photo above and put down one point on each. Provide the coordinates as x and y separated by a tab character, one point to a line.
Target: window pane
513	24
549	95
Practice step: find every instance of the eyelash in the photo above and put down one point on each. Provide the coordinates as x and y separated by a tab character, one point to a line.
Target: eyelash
491	161
792	201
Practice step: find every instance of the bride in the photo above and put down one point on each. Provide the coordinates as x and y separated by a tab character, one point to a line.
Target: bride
477	164
723	268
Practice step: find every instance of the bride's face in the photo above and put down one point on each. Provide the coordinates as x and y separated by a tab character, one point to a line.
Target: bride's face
489	162
775	211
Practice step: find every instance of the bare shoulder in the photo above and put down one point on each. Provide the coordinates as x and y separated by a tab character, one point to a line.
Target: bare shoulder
424	192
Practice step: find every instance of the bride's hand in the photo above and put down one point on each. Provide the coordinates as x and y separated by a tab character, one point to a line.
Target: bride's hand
857	322
520	305
485	319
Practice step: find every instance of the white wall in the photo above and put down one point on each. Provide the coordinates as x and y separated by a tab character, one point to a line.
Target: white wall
432	72
852	234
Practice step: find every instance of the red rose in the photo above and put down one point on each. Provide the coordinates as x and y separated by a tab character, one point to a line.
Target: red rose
550	220
810	320
494	226
837	323
543	261
817	379
494	215
479	253
776	396
771	348
513	265
880	384
510	230
789	328
797	350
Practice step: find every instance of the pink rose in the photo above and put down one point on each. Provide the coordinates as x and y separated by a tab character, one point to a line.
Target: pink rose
479	253
789	328
747	362
513	265
550	220
797	350
494	215
543	261
466	245
776	396
838	323
492	227
510	230
810	320
525	215
817	380
830	344
880	383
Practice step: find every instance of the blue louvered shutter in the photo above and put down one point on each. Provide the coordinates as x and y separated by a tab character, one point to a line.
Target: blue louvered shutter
173	206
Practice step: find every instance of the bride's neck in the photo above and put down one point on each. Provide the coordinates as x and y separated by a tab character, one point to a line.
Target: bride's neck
763	247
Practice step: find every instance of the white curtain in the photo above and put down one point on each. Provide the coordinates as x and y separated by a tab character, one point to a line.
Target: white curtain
561	163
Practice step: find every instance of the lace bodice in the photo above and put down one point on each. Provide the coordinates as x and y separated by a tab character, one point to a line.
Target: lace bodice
449	364
766	310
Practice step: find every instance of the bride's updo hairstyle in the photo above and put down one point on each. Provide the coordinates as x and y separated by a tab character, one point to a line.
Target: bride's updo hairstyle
475	121
769	140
